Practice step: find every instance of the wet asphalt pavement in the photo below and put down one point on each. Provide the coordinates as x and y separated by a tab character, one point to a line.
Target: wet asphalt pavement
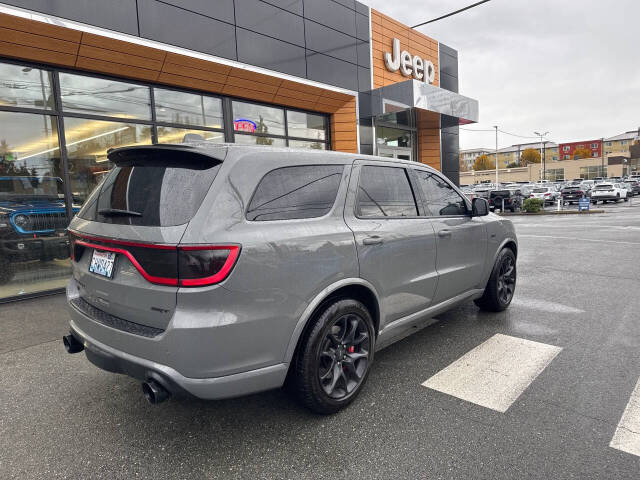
578	289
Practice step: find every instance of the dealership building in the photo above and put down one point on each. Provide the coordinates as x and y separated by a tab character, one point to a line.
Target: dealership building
79	77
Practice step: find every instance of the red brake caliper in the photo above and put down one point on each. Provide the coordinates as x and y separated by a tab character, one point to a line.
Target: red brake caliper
351	349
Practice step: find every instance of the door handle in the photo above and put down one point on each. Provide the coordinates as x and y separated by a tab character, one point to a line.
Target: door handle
444	233
373	240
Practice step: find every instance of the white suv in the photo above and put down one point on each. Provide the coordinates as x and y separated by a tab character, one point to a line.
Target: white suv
605	192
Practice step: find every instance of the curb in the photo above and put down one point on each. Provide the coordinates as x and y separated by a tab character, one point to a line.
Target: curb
562	212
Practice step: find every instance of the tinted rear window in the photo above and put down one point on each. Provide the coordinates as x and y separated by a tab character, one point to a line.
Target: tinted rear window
540	190
151	194
287	193
385	192
500	193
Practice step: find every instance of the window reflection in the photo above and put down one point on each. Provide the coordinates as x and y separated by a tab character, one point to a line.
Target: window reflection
177	135
306	125
187	108
87	144
25	87
255	140
306	144
33	244
99	96
261	119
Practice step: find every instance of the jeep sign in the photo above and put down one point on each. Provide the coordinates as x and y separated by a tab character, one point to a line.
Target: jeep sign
409	65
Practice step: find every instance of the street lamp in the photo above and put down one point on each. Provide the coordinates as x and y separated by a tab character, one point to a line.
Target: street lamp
543	153
496	127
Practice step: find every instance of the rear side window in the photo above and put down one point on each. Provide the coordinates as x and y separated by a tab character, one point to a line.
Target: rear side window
287	193
151	194
441	198
385	192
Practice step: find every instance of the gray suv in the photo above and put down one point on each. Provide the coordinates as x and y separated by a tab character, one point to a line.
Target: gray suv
222	270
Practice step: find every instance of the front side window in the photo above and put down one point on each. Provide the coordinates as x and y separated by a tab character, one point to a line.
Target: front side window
287	193
385	192
440	197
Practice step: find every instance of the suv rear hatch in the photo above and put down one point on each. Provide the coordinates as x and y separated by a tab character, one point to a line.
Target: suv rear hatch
125	239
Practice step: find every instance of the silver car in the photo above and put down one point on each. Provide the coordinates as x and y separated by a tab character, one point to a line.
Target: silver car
218	271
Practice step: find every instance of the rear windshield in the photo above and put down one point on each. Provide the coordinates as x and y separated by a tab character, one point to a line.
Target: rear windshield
28	188
539	190
604	187
500	193
151	194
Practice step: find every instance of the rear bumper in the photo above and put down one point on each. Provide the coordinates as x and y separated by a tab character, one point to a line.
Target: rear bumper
116	361
604	197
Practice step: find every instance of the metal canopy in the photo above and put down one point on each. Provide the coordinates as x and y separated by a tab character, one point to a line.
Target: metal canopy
420	95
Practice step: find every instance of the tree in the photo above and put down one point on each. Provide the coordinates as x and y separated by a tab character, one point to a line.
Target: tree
262	128
529	156
581	152
483	162
463	166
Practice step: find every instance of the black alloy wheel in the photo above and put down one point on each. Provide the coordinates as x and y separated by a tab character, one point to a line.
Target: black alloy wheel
334	356
501	286
343	357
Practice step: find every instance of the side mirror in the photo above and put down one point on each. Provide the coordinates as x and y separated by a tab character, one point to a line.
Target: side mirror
479	207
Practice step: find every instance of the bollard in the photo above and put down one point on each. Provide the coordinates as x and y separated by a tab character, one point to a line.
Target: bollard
559	202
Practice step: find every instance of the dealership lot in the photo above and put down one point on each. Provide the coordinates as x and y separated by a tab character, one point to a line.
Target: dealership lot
562	363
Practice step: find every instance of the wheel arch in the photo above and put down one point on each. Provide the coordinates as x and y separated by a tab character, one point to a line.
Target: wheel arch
355	288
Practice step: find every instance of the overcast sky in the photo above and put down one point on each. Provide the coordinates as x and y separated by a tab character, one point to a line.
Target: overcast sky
570	67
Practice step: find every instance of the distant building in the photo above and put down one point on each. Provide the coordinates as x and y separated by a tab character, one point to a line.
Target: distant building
468	157
512	154
568	150
619	144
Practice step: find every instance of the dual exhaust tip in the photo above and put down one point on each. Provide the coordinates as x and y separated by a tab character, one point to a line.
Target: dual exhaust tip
152	390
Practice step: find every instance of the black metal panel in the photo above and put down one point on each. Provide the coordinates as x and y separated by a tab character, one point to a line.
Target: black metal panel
323	68
364	79
331	14
450	147
325	40
269	20
294	6
362	27
118	15
347	3
218	9
270	53
448	82
362	8
448	68
173	25
364	54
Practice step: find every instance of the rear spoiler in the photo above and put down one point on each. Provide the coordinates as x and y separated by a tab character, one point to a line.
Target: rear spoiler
189	156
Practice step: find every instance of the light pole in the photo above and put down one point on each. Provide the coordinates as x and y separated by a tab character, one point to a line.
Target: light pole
496	127
543	154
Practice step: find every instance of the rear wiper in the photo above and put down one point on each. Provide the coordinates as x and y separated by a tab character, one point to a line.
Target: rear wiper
112	212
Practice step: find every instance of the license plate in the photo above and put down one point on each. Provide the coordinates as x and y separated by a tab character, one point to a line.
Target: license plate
102	263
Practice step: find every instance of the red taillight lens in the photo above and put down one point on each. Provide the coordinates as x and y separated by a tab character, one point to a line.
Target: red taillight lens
547	194
205	265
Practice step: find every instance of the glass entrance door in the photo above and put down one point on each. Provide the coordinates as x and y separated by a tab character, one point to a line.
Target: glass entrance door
401	153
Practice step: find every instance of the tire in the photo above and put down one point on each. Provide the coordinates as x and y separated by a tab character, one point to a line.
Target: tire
7	270
328	369
494	298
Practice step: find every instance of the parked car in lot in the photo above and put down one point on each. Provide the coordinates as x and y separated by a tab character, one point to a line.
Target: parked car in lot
505	200
548	195
632	187
572	194
605	192
271	264
33	222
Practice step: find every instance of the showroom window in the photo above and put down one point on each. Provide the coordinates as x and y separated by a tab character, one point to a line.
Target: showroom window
256	124
57	127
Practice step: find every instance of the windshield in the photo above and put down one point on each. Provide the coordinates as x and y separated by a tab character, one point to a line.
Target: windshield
29	188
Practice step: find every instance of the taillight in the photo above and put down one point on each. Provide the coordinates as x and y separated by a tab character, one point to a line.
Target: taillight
205	265
547	194
184	266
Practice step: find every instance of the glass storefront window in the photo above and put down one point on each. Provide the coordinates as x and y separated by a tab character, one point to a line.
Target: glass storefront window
307	144
255	140
34	247
252	118
87	144
306	125
187	108
393	137
99	96
25	87
176	135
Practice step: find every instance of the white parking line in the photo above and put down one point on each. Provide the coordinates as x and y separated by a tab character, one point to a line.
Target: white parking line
578	239
543	305
627	436
496	372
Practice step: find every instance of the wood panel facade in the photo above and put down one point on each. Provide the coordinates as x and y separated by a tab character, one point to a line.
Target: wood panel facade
41	42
